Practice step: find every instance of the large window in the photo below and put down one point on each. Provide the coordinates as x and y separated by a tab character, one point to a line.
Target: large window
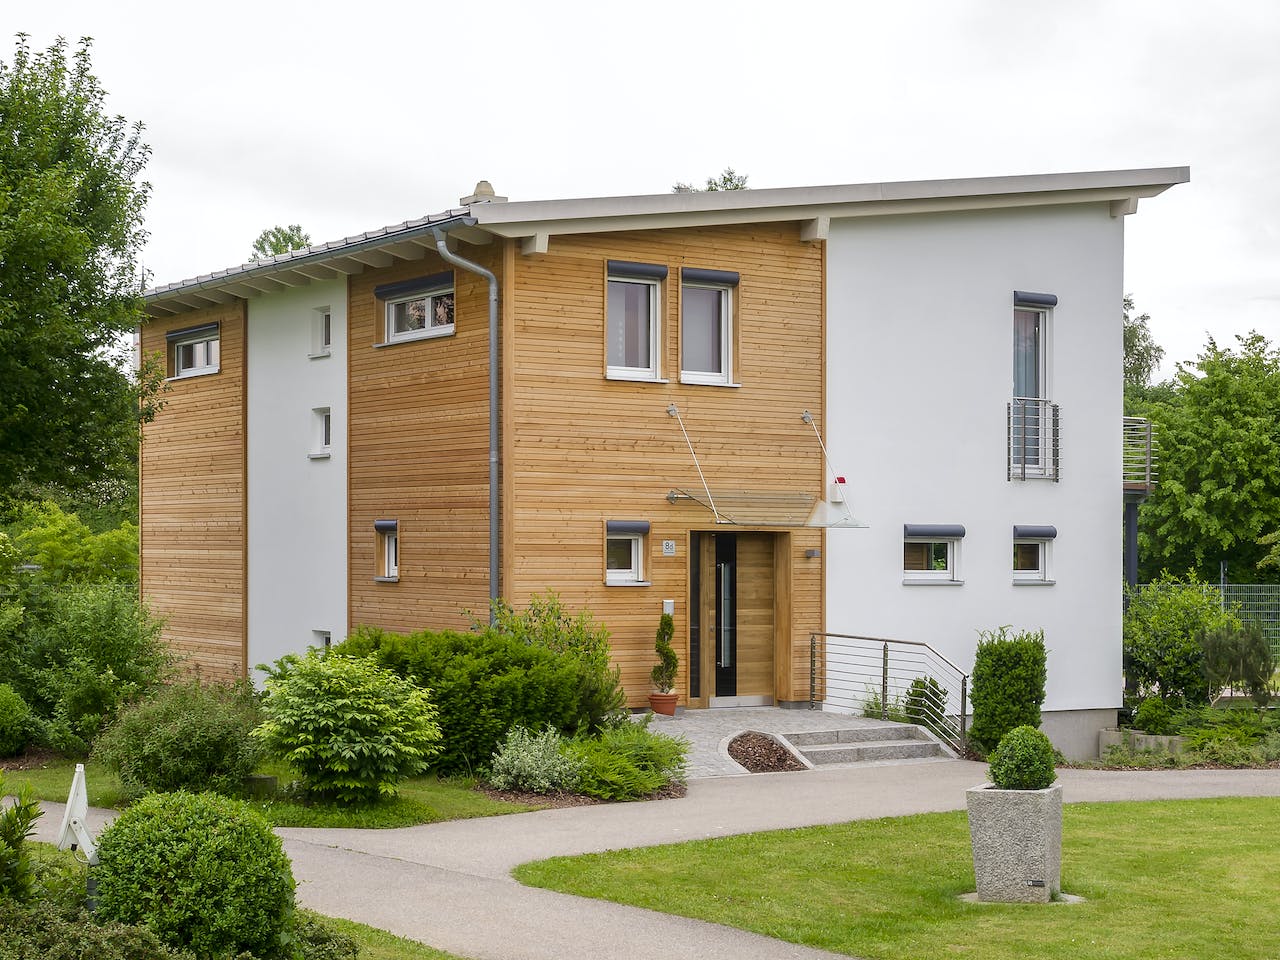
194	351
1032	437
931	553
632	323
417	309
706	326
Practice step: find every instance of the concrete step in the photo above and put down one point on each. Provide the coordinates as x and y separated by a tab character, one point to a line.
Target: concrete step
879	731
908	749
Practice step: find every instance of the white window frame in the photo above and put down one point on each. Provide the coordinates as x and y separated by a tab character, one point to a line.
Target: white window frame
199	339
389	555
322	639
428	332
949	575
725	377
321	433
1044	573
321	333
633	575
651	372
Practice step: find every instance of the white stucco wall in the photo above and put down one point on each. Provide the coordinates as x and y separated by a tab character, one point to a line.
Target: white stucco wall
297	505
920	369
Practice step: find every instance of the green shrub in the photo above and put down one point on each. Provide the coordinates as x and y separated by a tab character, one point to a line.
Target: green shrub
1270	747
1206	724
42	930
94	649
926	703
203	872
1154	716
483	684
1023	760
1008	683
17	824
534	762
15	721
67	551
352	729
186	736
313	939
1238	659
628	762
1162	651
663	673
1225	751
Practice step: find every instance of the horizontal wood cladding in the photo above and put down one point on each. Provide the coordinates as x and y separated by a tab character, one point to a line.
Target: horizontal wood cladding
418	453
192	490
585	448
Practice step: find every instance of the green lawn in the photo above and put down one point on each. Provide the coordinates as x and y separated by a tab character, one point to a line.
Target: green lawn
424	799
1176	879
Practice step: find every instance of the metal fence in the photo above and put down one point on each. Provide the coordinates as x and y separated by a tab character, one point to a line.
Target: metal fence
1257	603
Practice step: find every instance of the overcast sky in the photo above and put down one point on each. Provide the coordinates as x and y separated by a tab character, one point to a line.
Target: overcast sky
345	117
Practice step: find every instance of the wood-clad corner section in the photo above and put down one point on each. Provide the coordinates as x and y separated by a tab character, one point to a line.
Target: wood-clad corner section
192	501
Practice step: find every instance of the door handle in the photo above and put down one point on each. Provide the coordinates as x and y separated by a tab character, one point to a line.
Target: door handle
726	650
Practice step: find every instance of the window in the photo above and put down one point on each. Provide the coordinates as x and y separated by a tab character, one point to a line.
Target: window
322	639
194	352
321	433
624	552
706	326
321	333
632	324
418	309
931	553
1032	418
1031	553
388	533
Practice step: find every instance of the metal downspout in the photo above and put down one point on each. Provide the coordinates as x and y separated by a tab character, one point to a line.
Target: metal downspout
450	257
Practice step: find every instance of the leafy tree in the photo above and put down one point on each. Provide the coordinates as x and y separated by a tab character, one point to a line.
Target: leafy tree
1219	491
71	228
277	240
729	180
1142	355
67	551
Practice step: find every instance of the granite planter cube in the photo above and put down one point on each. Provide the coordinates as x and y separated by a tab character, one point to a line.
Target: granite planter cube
1017	843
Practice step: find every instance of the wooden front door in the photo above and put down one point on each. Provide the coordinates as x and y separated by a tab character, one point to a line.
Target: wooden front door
732	630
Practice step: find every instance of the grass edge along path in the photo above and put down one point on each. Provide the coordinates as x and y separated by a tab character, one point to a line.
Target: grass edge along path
1185	878
424	799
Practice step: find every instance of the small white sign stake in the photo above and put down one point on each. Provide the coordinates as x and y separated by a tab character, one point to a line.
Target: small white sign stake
75	831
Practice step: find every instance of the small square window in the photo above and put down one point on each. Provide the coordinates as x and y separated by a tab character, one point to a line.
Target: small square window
632	352
1031	561
623	559
931	561
421	315
195	353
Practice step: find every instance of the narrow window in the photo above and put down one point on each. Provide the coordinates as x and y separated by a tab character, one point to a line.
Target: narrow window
632	321
321	433
321	333
706	326
388	555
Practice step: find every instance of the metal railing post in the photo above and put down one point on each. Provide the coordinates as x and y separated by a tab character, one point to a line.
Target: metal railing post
813	670
884	685
964	709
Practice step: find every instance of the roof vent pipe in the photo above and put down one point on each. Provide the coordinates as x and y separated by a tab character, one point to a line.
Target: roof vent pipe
442	247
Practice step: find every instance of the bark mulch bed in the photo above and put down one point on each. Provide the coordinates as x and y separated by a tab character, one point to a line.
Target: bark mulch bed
761	754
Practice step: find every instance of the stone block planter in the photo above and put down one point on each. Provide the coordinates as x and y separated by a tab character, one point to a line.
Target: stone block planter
1017	843
1137	741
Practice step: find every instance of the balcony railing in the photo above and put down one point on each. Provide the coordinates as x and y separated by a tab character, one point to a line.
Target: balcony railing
1033	440
1139	455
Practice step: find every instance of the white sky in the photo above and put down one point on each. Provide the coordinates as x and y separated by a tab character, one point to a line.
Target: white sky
345	117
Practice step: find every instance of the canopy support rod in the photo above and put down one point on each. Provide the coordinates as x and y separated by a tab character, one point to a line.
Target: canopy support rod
807	417
674	411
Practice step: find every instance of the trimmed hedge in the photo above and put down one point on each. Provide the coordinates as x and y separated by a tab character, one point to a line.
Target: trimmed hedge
483	684
203	872
1008	683
41	930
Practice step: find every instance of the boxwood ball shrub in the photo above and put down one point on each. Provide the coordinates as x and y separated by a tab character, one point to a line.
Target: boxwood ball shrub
1008	683
187	736
205	873
1023	760
351	728
15	721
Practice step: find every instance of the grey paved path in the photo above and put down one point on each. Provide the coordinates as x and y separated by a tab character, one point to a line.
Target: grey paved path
448	884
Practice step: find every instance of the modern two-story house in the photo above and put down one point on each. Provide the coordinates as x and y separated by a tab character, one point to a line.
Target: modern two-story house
768	412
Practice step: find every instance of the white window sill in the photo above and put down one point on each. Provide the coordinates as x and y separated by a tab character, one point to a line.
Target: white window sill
320	355
628	583
931	582
415	337
1029	582
638	377
321	455
695	382
193	373
386	579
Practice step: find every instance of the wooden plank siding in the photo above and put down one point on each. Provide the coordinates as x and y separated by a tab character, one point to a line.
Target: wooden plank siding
585	449
192	502
418	453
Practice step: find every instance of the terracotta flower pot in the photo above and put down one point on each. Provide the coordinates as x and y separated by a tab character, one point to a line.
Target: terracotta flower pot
663	703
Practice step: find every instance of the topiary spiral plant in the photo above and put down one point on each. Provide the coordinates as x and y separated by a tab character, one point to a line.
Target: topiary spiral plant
663	673
1023	760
